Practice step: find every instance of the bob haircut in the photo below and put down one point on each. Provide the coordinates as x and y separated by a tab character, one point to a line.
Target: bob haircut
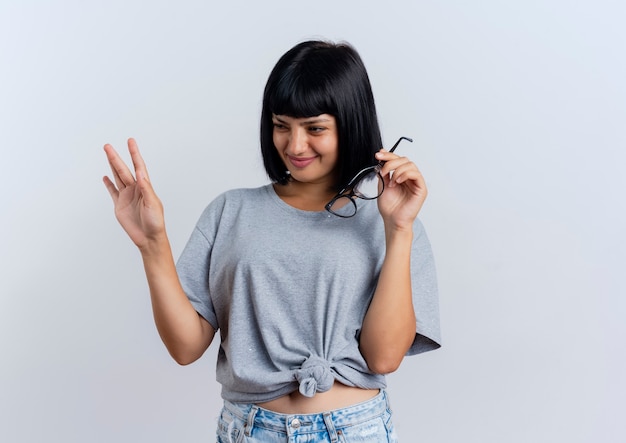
317	77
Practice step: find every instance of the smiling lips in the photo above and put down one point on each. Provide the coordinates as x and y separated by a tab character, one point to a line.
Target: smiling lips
300	162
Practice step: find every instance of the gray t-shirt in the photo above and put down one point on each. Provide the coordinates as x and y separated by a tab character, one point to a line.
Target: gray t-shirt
288	290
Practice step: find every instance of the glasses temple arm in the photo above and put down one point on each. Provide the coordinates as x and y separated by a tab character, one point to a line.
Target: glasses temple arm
398	142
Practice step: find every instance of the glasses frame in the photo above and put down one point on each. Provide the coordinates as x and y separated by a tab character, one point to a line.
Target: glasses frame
348	190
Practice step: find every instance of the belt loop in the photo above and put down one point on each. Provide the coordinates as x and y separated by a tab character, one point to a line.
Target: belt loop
387	402
247	429
330	426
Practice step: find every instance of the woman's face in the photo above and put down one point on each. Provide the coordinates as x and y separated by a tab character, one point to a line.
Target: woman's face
308	147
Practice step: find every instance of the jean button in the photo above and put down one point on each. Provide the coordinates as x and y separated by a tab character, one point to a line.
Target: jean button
295	423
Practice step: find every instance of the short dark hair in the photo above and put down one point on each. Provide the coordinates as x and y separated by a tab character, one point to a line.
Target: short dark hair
318	77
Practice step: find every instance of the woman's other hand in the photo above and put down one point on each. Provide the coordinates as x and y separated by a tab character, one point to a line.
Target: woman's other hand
137	207
405	190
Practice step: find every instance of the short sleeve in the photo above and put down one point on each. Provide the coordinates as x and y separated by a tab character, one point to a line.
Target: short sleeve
425	294
193	271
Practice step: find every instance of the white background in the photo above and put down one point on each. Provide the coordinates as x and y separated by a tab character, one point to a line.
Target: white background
517	110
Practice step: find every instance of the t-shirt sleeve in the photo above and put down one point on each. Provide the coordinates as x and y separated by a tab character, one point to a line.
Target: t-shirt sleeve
425	294
193	271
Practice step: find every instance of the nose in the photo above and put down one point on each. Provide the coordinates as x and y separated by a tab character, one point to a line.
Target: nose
297	142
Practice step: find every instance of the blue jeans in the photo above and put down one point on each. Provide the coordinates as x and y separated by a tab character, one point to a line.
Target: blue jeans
367	422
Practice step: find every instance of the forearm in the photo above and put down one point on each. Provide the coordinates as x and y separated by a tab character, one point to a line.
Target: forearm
185	334
389	325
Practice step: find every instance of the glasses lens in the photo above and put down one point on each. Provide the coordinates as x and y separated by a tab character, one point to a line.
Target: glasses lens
368	187
344	206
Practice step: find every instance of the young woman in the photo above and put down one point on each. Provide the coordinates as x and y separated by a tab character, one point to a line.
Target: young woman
316	287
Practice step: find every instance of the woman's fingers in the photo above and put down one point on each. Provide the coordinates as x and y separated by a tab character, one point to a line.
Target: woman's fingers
398	169
407	189
405	172
111	188
119	184
138	163
147	191
118	181
121	174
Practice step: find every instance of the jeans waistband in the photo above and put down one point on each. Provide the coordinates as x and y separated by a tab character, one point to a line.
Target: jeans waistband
255	416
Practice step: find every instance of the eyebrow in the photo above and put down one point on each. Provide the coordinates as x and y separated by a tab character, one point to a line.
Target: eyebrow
306	122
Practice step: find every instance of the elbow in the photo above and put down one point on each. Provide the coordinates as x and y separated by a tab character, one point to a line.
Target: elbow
183	361
384	357
382	362
183	358
384	365
185	352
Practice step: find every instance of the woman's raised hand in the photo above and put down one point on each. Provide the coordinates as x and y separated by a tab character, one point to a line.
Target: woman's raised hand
137	207
405	190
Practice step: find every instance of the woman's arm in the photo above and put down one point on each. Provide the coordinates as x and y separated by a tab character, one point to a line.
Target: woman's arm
389	326
140	212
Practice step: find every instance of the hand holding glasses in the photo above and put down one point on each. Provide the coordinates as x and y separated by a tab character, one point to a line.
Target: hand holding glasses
364	185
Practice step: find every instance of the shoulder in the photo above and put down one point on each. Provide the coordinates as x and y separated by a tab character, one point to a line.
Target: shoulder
228	204
240	195
235	197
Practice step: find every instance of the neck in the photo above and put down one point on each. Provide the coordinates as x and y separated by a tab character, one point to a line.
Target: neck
305	196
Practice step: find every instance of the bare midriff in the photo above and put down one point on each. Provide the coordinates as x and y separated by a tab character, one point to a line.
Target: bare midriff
337	397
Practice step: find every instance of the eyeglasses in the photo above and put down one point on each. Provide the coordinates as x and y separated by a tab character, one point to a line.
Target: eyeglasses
367	184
